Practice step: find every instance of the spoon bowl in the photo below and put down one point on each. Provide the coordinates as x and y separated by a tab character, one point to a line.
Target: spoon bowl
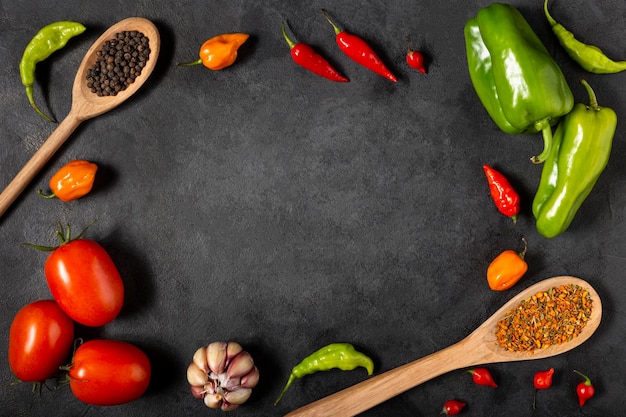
85	103
480	347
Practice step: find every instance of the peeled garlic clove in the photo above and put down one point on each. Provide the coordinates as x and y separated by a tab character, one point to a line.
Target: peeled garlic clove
250	379
196	376
200	359
240	365
213	400
216	356
237	396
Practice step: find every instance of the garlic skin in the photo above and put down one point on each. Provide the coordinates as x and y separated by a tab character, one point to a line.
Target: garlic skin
222	375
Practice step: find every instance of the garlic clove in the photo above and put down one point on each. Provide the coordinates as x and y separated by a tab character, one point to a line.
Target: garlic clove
198	392
199	358
216	356
228	406
250	379
240	365
213	400
196	376
237	396
233	349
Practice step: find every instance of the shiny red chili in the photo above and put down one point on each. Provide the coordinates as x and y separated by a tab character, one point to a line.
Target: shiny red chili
359	51
305	56
542	380
453	407
482	376
584	390
415	59
502	192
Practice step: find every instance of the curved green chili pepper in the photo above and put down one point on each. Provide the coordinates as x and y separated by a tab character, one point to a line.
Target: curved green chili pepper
49	39
585	138
590	57
336	355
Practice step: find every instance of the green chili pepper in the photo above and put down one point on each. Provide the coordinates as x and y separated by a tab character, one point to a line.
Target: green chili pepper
582	148
520	85
590	57
49	39
336	355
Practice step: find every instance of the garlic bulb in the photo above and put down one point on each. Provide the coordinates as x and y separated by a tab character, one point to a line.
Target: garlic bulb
222	375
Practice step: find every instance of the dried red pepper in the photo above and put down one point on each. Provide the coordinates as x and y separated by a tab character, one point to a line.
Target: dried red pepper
502	192
584	390
453	407
305	56
415	59
542	380
482	376
359	51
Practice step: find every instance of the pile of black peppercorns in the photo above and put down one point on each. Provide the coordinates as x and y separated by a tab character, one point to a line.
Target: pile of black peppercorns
118	63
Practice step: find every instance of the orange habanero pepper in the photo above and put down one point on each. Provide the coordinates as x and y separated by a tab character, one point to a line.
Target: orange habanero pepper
506	269
220	51
74	180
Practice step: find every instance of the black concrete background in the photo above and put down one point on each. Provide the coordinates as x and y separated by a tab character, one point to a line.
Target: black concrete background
265	205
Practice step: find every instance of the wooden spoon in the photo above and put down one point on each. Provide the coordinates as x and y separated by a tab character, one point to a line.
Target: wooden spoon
85	104
480	347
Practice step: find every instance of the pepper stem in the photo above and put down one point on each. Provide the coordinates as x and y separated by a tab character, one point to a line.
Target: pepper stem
337	29
189	64
41	193
289	41
587	380
546	132
549	18
593	101
292	378
31	100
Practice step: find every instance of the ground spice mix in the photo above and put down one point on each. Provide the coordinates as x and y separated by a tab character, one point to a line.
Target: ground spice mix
545	319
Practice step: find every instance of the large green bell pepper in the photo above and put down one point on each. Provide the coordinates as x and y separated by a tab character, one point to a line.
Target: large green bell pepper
581	150
520	85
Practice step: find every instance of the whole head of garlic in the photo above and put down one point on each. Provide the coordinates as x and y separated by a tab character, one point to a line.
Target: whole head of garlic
222	375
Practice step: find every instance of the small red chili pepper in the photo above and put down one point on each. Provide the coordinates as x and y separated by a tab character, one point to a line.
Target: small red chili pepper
542	380
305	56
453	407
359	51
482	376
502	192
415	59
584	390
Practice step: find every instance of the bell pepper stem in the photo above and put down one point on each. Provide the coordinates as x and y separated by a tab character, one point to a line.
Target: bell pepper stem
593	101
546	132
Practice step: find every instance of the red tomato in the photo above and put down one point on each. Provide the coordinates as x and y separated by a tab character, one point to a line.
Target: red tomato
40	341
109	372
85	282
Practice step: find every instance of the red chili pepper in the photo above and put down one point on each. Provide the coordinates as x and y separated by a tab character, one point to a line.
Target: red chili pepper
359	51
415	59
502	192
542	380
453	407
482	376
584	390
305	56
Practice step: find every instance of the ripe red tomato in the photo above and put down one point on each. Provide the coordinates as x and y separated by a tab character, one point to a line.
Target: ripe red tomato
109	372
40	341
85	282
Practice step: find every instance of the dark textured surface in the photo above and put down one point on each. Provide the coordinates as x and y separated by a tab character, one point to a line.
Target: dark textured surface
265	205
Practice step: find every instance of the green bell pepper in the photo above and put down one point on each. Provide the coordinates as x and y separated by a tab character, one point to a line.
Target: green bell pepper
581	150
519	84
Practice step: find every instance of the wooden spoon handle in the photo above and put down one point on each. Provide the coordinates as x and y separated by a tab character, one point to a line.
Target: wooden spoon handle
37	161
373	391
